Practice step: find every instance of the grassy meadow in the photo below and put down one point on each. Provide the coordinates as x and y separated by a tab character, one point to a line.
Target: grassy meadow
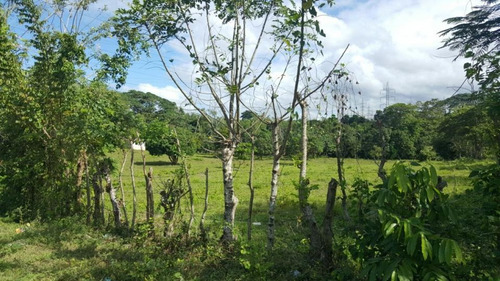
71	250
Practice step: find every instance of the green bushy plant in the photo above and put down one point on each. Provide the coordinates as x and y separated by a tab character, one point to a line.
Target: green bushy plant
403	236
484	223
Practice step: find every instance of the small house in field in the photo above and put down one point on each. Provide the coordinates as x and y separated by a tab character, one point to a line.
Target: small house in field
139	146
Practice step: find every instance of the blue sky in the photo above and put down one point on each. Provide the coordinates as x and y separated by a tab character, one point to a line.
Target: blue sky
392	41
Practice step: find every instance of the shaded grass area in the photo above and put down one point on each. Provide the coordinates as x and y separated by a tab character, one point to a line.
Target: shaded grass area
70	250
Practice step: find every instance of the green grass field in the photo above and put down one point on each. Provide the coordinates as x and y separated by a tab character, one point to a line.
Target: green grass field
70	250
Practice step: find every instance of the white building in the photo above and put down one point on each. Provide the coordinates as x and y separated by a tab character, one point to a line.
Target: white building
139	146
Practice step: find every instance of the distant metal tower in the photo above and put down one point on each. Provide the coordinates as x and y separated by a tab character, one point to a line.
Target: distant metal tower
387	94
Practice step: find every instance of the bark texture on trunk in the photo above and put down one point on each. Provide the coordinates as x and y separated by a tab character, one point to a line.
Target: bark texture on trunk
230	200
80	171
340	172
203	232
150	205
169	202
134	195
87	186
252	191
114	201
304	141
148	177
274	187
327	232
98	215
120	183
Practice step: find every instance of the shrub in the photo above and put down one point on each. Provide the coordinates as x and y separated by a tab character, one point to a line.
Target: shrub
403	237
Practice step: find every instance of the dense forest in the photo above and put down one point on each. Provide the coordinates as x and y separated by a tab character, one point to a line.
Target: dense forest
66	137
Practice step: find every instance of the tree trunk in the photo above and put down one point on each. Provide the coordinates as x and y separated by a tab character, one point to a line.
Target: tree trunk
98	216
304	141
327	233
120	182
230	200
252	191
134	195
340	172
114	202
80	170
203	232
87	186
383	158
103	219
307	212
169	203
150	211
274	186
148	177
190	192
303	182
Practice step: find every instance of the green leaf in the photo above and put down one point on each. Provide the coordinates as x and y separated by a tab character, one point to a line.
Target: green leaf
427	276
373	274
402	179
430	193
394	275
458	251
392	179
426	247
389	229
405	271
407	230
441	253
434	178
411	246
448	253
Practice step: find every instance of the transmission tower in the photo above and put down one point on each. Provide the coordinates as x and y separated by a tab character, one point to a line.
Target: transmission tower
387	94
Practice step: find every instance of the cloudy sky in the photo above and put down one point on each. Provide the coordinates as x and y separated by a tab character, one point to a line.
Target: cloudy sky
392	42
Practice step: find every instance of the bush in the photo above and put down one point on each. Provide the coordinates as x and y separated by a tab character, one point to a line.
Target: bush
403	237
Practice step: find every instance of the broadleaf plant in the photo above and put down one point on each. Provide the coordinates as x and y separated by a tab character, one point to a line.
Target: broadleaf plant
402	237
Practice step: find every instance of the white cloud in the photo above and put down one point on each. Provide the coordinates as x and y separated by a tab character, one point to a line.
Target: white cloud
396	41
168	92
393	41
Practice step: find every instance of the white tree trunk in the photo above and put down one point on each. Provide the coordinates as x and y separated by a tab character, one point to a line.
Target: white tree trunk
114	202
230	200
202	221
305	141
252	190
134	194
274	186
120	183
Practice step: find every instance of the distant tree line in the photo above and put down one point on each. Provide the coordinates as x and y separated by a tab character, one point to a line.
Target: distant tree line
456	127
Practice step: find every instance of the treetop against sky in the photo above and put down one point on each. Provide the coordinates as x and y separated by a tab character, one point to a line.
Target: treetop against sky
393	41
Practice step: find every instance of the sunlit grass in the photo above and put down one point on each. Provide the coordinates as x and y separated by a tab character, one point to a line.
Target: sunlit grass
69	250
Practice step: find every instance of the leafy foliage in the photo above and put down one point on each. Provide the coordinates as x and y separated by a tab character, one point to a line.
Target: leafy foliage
476	37
52	120
403	235
162	139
